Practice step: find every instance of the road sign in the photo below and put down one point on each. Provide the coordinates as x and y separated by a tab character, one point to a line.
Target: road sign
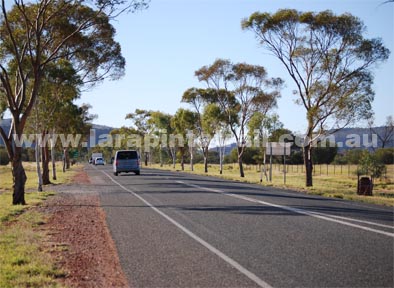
278	148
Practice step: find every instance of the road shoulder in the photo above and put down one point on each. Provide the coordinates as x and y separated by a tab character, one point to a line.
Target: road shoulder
79	237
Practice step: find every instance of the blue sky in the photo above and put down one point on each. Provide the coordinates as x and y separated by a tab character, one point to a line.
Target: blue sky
166	43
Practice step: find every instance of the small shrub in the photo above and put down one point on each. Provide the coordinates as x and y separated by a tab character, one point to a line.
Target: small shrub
4	160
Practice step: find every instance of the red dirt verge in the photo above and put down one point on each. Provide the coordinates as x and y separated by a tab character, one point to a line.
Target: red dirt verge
80	241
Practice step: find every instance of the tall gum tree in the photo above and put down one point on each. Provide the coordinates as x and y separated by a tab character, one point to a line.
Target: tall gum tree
140	120
240	90
59	87
184	121
32	36
198	98
330	63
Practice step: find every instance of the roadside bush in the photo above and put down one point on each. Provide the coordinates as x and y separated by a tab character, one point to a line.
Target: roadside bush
385	155
354	156
370	165
4	160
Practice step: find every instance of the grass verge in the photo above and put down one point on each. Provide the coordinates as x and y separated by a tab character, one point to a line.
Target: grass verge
336	182
24	259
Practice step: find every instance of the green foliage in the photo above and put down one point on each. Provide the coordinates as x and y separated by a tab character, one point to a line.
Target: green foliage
296	157
264	124
278	135
4	159
40	35
385	155
329	61
250	156
140	120
370	165
324	155
183	121
354	156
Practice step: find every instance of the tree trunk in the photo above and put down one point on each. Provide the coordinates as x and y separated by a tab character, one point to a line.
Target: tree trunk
220	161
173	156
146	158
53	156
19	178
183	159
45	165
308	165
65	156
205	152
241	168
161	157
191	159
68	162
265	167
39	175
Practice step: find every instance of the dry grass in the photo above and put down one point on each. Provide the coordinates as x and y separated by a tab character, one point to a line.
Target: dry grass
32	182
23	259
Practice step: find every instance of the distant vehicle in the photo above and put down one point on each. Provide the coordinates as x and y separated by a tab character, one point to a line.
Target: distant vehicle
126	161
94	156
99	161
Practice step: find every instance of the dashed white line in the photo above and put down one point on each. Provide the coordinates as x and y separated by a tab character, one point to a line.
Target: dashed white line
214	250
299	211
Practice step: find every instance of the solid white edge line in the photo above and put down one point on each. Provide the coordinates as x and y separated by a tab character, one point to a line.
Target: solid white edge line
223	256
355	220
295	210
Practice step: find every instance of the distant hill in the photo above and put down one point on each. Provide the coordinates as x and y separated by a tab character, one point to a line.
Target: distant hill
348	138
100	132
97	132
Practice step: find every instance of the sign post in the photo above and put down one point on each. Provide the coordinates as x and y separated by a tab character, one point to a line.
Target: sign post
278	149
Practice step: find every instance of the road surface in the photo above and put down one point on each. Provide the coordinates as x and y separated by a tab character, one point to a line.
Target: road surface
179	230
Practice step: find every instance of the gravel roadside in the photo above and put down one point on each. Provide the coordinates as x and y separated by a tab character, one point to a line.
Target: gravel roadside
79	238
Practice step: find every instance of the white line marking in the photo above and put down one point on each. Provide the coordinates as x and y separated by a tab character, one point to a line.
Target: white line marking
355	220
223	256
295	210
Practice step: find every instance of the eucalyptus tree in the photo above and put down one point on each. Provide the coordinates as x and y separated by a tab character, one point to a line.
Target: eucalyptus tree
140	120
161	129
126	138
214	122
183	123
35	34
59	87
240	90
260	129
330	63
199	99
74	122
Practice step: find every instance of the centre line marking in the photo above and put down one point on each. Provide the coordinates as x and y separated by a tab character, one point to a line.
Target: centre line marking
223	256
299	211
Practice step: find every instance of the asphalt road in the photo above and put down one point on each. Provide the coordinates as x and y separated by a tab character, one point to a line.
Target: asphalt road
179	230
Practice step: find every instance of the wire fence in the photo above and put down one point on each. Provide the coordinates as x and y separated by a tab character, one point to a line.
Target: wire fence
318	170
